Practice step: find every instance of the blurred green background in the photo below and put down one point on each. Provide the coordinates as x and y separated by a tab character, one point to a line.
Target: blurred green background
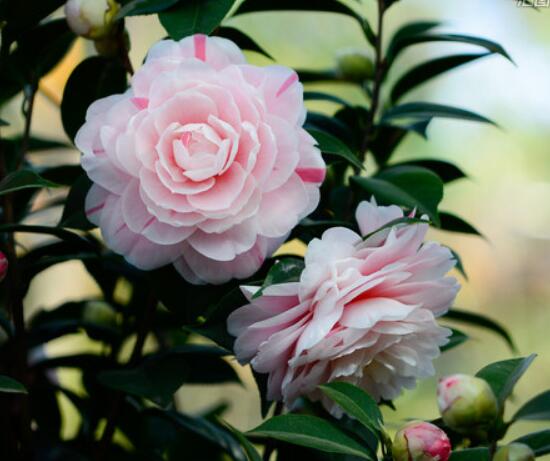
506	196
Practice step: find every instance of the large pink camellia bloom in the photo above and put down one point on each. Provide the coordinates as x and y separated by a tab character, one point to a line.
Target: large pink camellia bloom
363	311
202	163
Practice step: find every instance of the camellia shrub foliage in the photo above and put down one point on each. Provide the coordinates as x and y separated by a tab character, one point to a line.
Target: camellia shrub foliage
195	169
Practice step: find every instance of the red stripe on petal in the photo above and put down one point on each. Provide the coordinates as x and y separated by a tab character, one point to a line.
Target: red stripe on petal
287	84
140	103
95	209
200	46
316	175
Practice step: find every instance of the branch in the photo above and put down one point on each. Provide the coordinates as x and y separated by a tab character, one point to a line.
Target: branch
380	71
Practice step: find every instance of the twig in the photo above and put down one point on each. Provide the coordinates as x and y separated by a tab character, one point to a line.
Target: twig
142	332
379	74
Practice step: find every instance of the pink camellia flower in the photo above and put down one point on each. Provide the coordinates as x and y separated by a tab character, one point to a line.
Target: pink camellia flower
363	311
202	163
3	266
421	441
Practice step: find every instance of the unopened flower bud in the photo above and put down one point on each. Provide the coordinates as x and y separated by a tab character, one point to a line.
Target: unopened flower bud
421	441
467	404
92	19
354	64
3	266
515	452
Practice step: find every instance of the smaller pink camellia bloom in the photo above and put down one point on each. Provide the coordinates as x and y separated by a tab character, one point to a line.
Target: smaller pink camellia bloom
202	163
421	441
3	266
364	311
467	404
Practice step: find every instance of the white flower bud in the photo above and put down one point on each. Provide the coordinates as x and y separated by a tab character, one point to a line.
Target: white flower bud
92	19
515	452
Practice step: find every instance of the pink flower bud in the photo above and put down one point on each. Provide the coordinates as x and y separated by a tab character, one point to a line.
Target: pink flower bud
515	452
421	441
91	18
3	266
467	404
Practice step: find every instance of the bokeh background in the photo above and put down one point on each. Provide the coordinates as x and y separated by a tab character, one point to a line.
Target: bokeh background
506	196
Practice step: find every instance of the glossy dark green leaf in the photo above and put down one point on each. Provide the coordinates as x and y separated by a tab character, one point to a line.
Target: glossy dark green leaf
11	386
399	45
536	409
283	271
503	376
38	51
94	78
459	265
241	39
160	375
312	432
74	213
140	7
471	454
331	6
409	30
3	123
426	110
478	320
308	76
356	403
538	441
320	96
447	171
24	179
21	15
428	70
64	175
188	17
453	223
62	234
456	339
249	449
330	145
408	186
208	430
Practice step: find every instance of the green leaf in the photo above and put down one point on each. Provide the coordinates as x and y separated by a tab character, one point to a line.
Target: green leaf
331	6
320	96
312	432
428	70
503	376
453	223
74	214
478	320
330	145
307	76
38	51
241	39
447	171
471	454
160	375
21	15
94	78
399	222
24	179
140	7
189	17
356	403
205	429
62	234
459	266
251	452
538	441
408	186
11	386
456	339
403	42
4	123
283	271
536	409
427	110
